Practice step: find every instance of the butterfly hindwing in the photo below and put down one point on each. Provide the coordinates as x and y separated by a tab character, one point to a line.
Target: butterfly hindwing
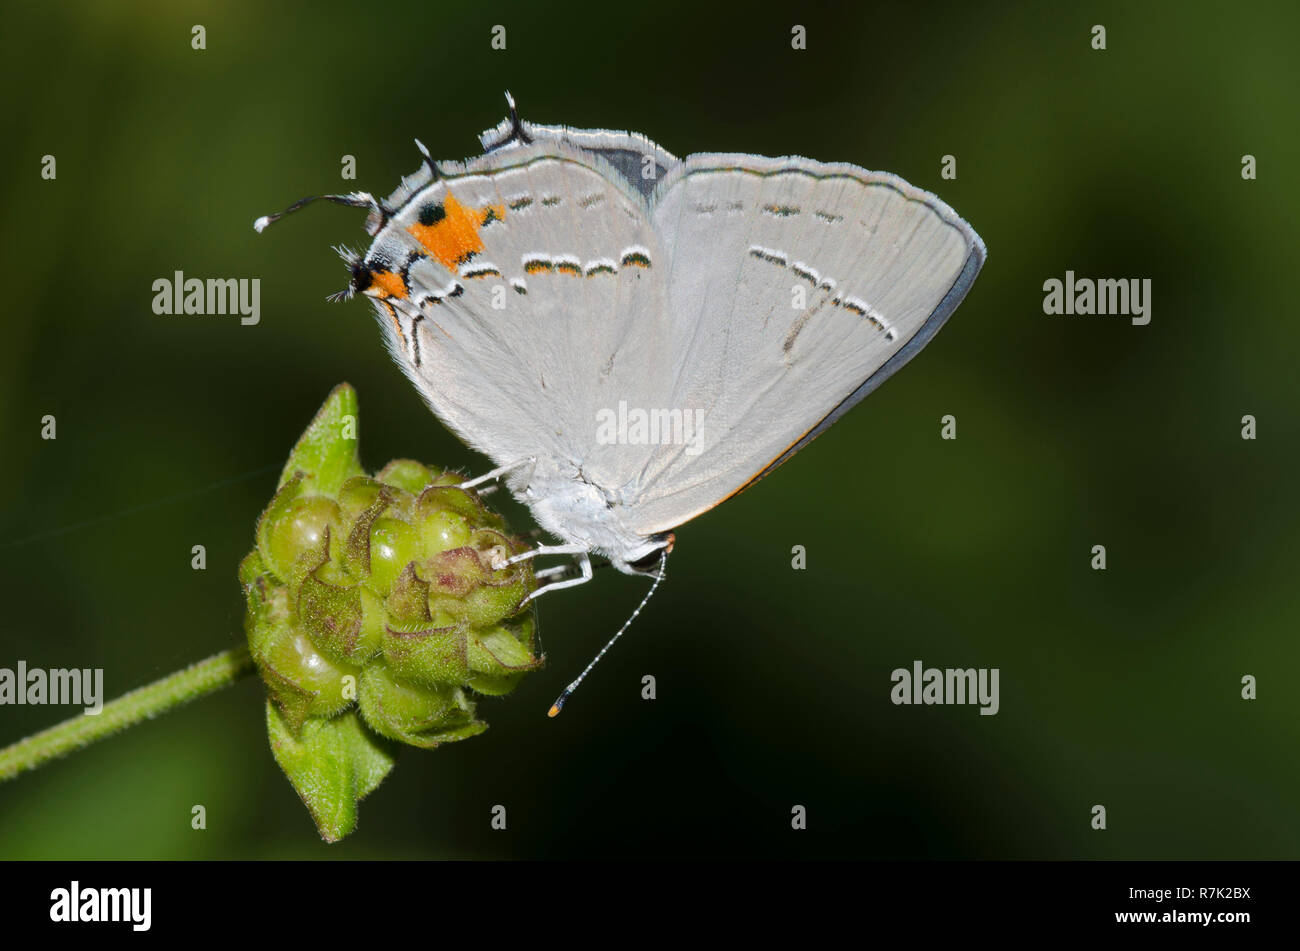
640	162
795	287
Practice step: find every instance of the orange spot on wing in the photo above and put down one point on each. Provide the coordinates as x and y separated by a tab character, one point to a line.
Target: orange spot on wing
389	284
454	238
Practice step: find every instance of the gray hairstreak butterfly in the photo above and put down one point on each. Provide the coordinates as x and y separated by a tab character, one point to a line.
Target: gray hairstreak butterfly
633	338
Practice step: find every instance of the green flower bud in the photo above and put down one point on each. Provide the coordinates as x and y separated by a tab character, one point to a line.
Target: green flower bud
376	607
413	715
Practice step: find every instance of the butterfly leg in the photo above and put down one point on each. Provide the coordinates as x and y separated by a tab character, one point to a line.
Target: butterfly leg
583	561
548	550
498	473
559	571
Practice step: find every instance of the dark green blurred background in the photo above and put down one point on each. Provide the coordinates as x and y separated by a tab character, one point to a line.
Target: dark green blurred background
1118	687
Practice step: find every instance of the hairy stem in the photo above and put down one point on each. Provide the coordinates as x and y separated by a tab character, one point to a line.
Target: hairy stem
174	690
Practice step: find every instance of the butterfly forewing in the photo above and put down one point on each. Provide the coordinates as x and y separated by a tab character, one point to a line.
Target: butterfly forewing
530	299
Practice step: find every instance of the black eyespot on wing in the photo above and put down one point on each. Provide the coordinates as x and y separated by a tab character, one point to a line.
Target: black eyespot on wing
432	213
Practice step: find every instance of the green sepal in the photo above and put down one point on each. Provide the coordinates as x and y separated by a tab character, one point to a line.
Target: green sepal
330	614
498	661
408	602
418	716
461	585
356	548
332	763
326	453
501	657
428	656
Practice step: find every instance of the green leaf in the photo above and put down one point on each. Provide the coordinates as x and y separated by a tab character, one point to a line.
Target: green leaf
326	452
333	764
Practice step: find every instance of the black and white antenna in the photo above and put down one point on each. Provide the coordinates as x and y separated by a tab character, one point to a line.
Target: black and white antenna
353	200
558	705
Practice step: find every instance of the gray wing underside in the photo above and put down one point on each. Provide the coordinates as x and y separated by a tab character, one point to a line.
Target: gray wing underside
552	319
639	162
796	289
779	293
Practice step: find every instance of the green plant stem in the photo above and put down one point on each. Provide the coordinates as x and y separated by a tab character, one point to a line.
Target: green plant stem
174	690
